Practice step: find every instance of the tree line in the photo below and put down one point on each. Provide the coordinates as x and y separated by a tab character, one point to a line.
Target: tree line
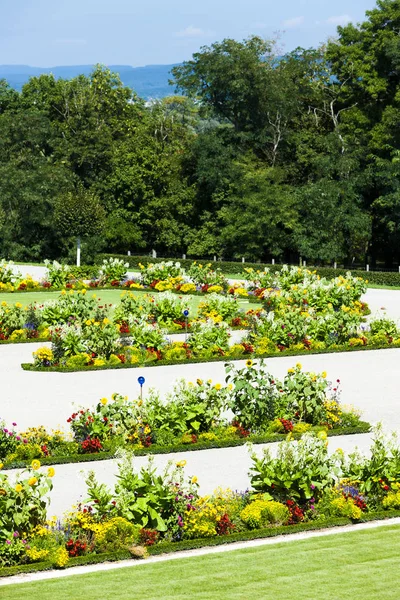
261	155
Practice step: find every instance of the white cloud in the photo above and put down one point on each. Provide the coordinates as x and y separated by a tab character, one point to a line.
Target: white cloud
292	23
340	20
191	32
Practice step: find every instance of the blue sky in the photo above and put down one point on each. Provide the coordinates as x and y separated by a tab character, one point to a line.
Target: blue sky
140	32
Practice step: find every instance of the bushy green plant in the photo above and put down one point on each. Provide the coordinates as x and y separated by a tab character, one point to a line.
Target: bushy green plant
23	503
56	274
254	396
304	395
380	468
112	269
145	498
226	307
9	440
209	336
160	271
301	470
7	273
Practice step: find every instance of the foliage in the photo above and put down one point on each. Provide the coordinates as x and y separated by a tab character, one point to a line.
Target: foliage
300	471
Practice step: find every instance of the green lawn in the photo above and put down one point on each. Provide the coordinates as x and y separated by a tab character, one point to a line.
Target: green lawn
360	564
109	296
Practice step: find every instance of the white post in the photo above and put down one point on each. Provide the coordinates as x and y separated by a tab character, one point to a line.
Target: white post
154	254
78	251
215	258
304	263
399	268
273	261
184	256
243	259
129	252
367	268
335	265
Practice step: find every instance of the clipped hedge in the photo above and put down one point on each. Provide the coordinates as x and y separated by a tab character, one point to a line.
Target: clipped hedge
385	278
186	545
363	427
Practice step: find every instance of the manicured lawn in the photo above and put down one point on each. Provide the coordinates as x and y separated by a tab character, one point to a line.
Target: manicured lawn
362	564
109	296
375	286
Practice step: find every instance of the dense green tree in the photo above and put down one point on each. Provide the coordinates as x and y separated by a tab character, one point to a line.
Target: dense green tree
79	213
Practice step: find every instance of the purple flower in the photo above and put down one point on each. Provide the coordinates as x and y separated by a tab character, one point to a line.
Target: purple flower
16	534
18	438
25	441
312	486
8	542
14	424
5	430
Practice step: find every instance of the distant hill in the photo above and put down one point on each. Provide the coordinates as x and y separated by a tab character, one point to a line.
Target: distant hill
148	82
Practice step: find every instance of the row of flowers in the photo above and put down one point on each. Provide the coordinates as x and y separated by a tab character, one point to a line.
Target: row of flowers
105	344
168	312
251	404
199	278
302	483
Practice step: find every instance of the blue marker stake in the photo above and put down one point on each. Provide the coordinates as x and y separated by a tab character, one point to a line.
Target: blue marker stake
141	381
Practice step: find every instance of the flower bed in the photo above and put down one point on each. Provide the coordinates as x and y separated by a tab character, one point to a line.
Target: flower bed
300	313
253	406
146	512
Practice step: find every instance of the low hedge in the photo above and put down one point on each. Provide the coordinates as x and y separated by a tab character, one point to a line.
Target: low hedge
168	363
386	278
172	547
363	427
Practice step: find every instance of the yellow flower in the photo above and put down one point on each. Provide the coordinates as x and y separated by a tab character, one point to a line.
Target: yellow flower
106	321
1	466
32	481
18	305
181	463
322	435
35	464
18	488
140	403
249	363
88	322
104	401
298	366
194	479
199	382
218	386
323	374
51	472
230	387
290	371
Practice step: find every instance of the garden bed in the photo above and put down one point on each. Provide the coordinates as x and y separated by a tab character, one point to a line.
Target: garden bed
166	363
187	545
363	427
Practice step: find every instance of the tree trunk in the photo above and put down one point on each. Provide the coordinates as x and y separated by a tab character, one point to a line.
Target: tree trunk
78	251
